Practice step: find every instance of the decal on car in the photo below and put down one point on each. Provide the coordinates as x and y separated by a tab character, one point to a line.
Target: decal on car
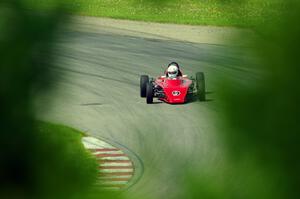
176	93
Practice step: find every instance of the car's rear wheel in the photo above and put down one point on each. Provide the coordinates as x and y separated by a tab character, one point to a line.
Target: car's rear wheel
200	85
149	93
144	80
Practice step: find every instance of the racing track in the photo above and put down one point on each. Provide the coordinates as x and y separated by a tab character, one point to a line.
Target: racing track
97	91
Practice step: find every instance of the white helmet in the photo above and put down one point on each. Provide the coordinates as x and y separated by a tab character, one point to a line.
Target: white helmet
172	71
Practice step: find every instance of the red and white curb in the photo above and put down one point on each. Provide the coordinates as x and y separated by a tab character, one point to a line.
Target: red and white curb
116	169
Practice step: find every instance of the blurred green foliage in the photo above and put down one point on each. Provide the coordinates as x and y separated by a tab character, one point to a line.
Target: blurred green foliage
36	160
263	119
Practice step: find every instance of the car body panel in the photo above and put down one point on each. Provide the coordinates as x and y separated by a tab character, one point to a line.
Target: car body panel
175	90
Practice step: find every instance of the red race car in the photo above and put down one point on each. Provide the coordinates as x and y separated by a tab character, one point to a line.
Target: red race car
177	90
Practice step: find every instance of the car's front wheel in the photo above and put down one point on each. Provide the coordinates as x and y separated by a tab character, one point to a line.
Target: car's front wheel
149	93
144	80
200	85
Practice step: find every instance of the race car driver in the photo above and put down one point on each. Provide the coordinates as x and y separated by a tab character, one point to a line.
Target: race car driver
173	70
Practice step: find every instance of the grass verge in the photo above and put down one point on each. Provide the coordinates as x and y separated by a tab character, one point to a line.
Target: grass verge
64	163
241	13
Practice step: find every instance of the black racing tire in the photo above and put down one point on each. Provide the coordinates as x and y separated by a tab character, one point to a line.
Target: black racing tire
144	80
149	93
200	85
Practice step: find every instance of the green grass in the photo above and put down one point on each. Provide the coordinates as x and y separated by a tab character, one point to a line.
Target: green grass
64	163
242	13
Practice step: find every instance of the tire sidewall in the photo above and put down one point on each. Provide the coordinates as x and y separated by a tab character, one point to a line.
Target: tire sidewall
149	93
200	85
144	80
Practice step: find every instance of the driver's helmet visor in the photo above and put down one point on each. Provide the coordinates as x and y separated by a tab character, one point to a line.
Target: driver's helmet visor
173	73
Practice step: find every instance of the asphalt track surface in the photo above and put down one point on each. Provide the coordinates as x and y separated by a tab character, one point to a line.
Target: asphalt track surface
97	91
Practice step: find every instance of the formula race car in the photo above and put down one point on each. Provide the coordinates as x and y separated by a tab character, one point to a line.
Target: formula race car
177	90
